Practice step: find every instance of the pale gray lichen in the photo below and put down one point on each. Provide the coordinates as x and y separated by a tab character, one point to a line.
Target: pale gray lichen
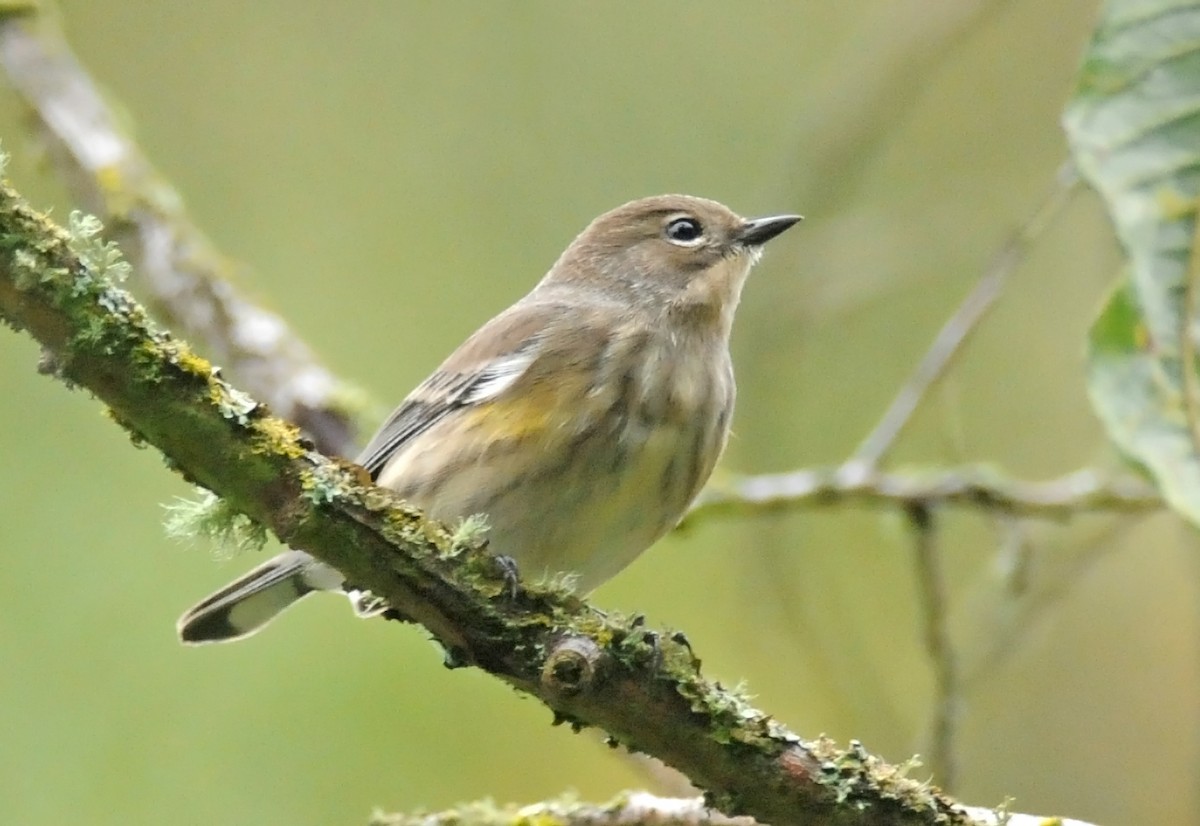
468	533
211	518
101	259
562	583
325	483
27	268
235	405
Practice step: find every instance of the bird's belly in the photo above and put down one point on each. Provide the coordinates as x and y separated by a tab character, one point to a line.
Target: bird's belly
617	497
587	506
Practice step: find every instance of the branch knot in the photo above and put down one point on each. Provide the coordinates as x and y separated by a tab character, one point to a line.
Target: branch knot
573	665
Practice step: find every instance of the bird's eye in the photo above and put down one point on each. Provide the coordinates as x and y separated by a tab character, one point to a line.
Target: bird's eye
686	232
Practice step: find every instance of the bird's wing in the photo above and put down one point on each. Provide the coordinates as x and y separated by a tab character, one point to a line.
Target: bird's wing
486	364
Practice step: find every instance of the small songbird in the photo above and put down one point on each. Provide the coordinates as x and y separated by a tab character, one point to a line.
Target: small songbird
581	421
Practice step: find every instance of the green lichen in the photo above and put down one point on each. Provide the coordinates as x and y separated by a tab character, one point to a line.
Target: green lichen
598	627
29	263
407	525
843	772
733	718
147	357
398	525
211	518
324	484
382	500
859	779
476	567
91	333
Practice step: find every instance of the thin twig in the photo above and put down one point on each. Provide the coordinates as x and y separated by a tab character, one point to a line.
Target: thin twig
961	324
931	592
183	277
971	485
1004	614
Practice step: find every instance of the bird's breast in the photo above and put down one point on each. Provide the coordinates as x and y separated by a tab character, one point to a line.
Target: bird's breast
577	474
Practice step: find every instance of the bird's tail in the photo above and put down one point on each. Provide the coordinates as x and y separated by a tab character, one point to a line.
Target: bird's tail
247	604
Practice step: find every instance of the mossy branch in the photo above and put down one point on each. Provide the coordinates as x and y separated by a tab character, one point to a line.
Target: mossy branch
642	687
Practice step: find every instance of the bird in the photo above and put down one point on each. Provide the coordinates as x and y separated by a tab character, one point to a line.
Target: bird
580	422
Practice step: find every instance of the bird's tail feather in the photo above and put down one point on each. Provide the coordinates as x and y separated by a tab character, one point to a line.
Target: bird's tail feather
247	604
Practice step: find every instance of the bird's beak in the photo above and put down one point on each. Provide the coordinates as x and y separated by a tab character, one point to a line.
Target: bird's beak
758	231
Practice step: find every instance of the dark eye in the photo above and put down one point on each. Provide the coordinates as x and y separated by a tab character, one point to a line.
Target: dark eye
684	231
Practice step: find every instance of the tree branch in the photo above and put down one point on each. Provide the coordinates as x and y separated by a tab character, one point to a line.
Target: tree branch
964	321
185	279
971	485
934	614
643	688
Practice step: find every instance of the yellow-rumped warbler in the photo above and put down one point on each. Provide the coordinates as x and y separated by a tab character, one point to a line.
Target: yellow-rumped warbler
581	421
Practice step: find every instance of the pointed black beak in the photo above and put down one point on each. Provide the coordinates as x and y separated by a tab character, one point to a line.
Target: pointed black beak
758	231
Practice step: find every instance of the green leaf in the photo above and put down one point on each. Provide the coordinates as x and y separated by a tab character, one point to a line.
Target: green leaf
1136	393
1134	131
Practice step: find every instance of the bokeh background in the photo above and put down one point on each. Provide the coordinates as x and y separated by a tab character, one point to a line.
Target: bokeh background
395	173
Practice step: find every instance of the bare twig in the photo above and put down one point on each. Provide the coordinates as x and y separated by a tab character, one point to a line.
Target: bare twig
185	279
1000	617
971	485
931	591
960	325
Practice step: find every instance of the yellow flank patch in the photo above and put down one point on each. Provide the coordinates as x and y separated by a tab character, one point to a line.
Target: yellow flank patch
538	407
517	416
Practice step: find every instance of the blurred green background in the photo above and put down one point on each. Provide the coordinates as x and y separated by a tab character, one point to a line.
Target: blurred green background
395	173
